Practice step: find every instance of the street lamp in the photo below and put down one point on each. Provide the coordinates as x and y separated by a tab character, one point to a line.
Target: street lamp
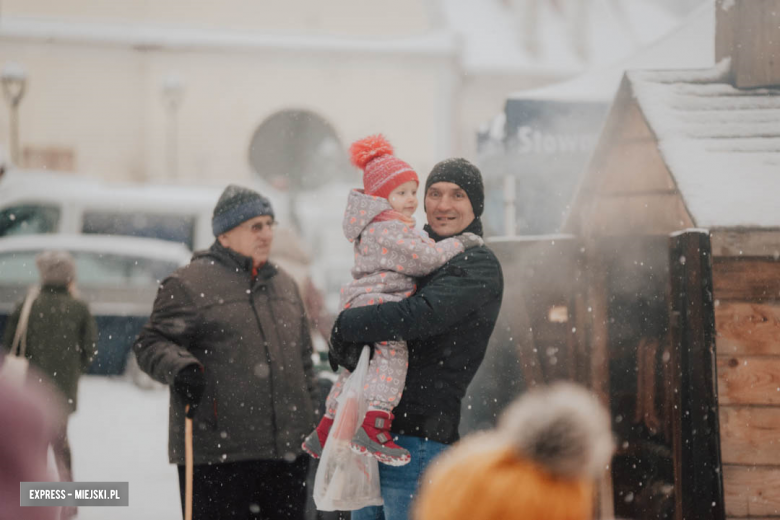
14	82
173	93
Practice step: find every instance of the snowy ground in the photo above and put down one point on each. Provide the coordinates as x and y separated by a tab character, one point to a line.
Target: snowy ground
120	434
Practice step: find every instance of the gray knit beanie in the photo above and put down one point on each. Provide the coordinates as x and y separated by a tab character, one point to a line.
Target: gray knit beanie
237	205
56	267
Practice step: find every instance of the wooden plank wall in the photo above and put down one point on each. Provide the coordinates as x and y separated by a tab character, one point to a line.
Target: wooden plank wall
747	320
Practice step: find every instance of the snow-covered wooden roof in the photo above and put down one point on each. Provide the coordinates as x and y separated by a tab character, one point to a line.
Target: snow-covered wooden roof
721	144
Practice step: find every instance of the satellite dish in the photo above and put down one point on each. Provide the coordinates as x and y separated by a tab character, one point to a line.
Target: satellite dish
298	150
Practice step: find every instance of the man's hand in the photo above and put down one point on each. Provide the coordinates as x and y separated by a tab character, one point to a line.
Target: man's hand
342	352
332	361
190	384
470	240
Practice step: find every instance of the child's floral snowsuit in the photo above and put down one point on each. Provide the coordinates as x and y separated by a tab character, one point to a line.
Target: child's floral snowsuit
389	254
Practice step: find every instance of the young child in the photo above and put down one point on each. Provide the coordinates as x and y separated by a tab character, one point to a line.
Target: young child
389	253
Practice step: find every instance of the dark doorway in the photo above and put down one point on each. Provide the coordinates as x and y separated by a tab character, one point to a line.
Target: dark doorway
637	313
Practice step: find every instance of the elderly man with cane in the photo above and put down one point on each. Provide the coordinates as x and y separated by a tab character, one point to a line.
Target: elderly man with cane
229	333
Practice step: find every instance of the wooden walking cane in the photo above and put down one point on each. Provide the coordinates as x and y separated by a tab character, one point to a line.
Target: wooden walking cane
187	464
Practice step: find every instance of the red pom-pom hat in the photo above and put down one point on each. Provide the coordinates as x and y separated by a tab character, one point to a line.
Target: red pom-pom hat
382	171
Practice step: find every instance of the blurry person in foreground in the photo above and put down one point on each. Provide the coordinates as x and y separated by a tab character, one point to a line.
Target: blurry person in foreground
229	334
61	340
29	415
541	462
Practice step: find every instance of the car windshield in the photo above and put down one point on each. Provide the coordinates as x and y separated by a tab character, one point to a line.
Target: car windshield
92	268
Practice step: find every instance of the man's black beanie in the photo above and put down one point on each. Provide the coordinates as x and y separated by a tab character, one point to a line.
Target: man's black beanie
236	205
464	174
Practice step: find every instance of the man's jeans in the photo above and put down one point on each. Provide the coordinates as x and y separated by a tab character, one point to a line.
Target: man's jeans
399	483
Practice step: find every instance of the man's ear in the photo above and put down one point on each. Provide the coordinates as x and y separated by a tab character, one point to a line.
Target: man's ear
223	240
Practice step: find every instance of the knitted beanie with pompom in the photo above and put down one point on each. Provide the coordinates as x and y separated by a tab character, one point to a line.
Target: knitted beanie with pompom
382	170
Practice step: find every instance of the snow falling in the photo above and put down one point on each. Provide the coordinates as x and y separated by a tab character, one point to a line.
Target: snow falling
629	152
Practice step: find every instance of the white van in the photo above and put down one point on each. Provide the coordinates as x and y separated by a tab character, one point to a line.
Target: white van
34	202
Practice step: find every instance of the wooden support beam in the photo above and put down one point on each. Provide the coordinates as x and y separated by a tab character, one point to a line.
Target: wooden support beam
581	334
597	301
697	457
747	329
598	370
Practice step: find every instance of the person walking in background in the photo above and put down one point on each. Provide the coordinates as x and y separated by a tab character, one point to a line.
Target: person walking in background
541	463
229	334
389	252
447	324
61	340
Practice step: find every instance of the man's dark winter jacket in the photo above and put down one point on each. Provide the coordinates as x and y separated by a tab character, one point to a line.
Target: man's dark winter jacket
447	325
252	338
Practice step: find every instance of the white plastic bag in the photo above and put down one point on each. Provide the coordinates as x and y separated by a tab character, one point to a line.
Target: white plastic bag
14	369
345	480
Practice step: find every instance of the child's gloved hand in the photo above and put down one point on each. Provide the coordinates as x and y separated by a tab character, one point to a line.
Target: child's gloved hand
470	240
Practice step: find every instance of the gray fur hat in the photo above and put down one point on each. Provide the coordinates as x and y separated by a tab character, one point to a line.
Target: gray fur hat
542	462
563	427
56	267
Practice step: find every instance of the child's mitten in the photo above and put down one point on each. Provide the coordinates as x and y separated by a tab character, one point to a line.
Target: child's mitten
470	240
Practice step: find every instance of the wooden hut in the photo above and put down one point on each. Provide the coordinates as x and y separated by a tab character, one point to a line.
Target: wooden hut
692	159
663	293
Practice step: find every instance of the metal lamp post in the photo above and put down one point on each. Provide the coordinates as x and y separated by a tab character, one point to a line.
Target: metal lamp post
14	81
173	93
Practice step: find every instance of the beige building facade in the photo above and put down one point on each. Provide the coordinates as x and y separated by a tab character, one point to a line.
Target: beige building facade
96	72
419	71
